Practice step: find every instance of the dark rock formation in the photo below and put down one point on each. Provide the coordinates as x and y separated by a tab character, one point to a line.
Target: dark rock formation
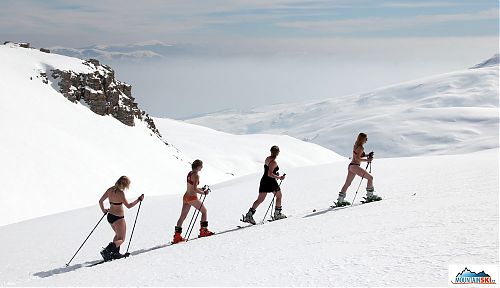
24	45
45	50
102	93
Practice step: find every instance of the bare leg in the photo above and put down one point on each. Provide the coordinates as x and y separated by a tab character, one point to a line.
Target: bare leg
279	195
116	233
121	229
348	181
362	173
196	204
184	213
259	200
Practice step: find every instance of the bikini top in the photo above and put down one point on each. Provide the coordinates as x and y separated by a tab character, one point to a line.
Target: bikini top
112	203
188	178
362	154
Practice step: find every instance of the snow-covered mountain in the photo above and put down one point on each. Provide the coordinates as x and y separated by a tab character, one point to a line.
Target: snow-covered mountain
450	113
148	50
58	155
63	139
437	211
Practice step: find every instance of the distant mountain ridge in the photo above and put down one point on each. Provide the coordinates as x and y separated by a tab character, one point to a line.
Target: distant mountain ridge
493	61
450	113
148	50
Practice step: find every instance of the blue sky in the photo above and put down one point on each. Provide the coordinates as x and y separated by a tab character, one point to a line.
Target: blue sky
83	23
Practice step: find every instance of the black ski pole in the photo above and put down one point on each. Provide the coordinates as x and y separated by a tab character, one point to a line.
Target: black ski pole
272	201
132	234
362	177
86	239
194	223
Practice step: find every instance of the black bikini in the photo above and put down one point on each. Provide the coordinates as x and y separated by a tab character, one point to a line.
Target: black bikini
113	218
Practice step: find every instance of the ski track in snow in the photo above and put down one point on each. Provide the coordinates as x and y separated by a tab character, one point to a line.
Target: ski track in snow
404	240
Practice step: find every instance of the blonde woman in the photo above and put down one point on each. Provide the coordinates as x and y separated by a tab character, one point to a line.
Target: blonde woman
268	184
189	199
354	168
116	216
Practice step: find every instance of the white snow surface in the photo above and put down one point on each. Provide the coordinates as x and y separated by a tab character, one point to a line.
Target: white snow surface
450	113
238	155
53	149
437	211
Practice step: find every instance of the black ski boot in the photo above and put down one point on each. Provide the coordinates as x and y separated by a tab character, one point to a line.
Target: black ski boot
106	252
115	252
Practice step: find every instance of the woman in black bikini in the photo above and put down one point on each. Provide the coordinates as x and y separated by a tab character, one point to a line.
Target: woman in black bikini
268	184
116	216
354	168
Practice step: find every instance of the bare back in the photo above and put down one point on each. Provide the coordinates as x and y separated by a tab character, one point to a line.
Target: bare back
116	196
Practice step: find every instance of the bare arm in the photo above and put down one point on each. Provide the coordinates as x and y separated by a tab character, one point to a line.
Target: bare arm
130	205
362	156
101	202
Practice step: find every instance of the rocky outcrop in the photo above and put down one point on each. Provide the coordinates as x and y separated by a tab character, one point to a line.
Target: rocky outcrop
99	90
102	93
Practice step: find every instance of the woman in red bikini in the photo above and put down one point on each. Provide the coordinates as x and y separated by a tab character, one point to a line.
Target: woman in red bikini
191	199
116	216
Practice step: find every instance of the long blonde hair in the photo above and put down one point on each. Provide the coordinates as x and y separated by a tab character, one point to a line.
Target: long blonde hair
360	140
122	183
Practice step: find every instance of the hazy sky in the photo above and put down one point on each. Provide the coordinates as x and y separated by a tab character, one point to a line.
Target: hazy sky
265	51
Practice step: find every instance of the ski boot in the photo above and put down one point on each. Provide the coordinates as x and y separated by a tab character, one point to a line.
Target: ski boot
115	252
278	215
177	236
249	217
340	201
370	197
106	252
204	232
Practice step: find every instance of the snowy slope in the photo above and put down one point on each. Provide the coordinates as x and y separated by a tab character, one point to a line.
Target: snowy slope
59	156
437	211
238	155
445	114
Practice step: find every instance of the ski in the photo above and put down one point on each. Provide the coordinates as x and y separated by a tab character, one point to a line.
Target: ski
366	200
104	261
